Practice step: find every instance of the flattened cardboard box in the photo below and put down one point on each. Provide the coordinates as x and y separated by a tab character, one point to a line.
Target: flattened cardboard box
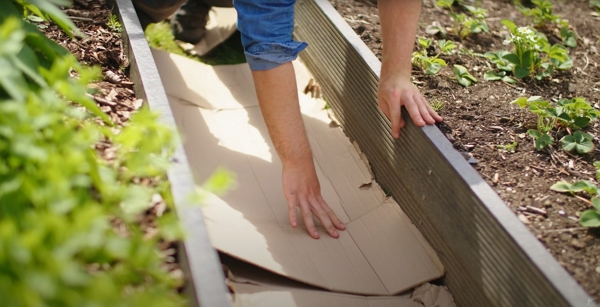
253	287
380	253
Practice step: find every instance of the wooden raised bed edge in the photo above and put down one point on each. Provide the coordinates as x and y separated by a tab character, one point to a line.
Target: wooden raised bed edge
491	258
205	282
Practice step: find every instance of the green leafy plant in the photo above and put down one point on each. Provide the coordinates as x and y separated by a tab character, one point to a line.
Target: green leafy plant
588	218
597	166
431	65
464	25
437	105
60	202
570	114
463	76
114	24
491	75
579	141
510	147
543	18
532	53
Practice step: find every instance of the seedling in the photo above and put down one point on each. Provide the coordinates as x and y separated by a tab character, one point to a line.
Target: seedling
541	139
114	24
437	105
533	54
571	114
581	142
543	18
431	65
510	147
597	166
463	76
541	15
588	218
491	75
465	25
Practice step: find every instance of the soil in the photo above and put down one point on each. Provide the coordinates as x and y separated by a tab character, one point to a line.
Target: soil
479	118
103	47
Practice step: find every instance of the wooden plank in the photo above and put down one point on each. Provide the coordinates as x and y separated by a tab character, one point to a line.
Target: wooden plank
491	257
199	260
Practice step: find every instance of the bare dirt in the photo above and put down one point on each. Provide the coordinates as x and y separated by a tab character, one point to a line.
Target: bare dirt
479	118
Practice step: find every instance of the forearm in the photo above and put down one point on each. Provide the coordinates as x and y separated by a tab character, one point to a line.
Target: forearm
399	20
278	98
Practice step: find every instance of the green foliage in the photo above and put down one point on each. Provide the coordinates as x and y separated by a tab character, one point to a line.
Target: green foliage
579	141
543	18
597	166
510	147
59	201
464	25
572	114
541	139
431	65
463	76
114	24
541	14
588	218
437	105
532	53
595	4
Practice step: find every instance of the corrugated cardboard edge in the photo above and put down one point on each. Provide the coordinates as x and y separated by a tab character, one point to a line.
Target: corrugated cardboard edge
491	258
198	258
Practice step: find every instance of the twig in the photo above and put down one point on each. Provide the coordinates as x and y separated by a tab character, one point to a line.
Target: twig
566	229
102	100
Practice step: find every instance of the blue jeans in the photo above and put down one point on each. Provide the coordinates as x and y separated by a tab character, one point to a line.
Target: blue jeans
266	27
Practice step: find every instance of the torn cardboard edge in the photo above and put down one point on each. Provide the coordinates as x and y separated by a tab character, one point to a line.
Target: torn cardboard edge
254	287
380	253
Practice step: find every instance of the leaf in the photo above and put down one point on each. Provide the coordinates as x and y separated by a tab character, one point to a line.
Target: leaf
543	141
596	203
534	133
521	72
508	79
509	24
561	186
513	58
590	218
581	142
582	122
491	75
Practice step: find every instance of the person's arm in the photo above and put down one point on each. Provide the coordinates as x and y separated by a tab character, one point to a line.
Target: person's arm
278	99
266	28
399	20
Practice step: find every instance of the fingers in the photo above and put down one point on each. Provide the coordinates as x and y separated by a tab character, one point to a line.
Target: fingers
292	204
395	118
308	219
412	107
334	219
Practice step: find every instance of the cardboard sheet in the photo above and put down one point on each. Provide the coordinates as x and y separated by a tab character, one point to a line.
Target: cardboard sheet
380	253
257	288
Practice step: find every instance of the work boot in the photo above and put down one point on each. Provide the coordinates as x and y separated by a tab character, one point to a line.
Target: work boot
150	11
189	22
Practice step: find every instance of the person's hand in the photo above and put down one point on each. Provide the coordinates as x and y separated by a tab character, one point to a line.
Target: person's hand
301	188
393	93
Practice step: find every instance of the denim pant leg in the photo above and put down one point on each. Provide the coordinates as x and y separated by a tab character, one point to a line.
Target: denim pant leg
266	27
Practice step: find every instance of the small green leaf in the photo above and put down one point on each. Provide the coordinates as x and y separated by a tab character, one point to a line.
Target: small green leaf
513	58
590	218
543	141
561	186
534	133
521	72
596	203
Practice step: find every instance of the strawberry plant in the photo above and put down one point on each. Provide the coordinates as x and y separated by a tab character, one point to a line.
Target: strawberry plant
431	65
463	76
568	114
465	25
532	53
543	18
588	218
